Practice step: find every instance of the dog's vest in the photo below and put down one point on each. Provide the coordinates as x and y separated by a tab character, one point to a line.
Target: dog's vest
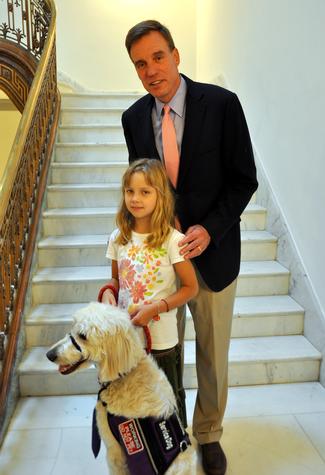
150	444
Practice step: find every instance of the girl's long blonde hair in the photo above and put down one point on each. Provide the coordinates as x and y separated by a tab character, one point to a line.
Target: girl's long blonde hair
163	215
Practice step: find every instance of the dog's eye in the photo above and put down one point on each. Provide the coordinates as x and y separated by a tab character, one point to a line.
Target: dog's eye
82	336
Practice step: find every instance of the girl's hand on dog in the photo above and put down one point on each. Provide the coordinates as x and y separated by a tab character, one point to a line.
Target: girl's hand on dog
143	314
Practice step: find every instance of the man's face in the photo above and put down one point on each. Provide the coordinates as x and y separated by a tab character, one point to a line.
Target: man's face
156	65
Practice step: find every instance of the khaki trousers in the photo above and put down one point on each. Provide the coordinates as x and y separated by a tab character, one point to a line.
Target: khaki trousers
212	314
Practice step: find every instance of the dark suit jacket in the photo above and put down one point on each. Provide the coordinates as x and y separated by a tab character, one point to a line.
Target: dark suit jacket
217	174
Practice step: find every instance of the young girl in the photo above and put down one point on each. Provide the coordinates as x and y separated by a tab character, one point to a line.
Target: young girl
146	262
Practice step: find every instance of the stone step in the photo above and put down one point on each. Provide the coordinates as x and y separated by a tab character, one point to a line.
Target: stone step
258	246
83	195
279	400
258	278
91	116
88	172
253	316
267	316
274	315
90	194
76	250
99	100
72	221
90	133
264	360
91	152
253	218
81	284
92	172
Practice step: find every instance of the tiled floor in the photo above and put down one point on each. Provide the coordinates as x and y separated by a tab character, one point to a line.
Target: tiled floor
268	430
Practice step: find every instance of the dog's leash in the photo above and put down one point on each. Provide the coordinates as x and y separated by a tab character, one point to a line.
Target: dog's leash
146	330
147	335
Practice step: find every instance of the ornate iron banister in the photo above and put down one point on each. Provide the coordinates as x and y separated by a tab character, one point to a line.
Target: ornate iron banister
24	180
27	24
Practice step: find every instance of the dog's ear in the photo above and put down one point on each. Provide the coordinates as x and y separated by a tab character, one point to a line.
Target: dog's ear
121	352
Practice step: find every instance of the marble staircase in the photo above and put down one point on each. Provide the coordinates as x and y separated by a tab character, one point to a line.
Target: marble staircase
267	344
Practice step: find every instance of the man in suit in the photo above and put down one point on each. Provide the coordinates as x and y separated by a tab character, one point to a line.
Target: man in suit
216	179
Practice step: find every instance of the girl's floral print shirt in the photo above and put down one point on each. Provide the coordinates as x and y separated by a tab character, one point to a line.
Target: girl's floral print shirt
145	275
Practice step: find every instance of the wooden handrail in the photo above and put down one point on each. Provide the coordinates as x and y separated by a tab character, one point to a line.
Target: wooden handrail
21	193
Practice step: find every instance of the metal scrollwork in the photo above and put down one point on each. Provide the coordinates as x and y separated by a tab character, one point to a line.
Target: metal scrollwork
26	22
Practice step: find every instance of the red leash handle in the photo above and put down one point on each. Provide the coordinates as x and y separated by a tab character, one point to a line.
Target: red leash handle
106	287
146	330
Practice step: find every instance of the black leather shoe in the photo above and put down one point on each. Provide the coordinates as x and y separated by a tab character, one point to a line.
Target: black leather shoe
214	461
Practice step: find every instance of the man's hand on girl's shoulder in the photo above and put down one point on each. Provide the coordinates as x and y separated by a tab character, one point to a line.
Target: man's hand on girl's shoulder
195	242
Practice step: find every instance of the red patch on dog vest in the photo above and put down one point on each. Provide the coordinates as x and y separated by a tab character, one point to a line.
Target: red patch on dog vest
130	436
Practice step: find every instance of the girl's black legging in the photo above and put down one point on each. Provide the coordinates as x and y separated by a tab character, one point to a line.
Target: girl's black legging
170	362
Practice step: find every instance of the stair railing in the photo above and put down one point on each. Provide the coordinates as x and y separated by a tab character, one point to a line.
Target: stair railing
24	180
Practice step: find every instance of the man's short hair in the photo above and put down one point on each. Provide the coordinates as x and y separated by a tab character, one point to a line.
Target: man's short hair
144	28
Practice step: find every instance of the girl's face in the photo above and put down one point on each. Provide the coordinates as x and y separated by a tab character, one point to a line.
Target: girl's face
140	198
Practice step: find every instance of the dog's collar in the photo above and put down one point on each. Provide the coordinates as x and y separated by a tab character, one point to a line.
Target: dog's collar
103	386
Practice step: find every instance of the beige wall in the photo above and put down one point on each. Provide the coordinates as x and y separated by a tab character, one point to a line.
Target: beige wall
9	120
271	54
91	34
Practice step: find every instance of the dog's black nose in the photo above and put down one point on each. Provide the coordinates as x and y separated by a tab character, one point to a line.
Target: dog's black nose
51	354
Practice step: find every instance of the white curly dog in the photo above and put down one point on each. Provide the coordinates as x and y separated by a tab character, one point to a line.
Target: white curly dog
135	411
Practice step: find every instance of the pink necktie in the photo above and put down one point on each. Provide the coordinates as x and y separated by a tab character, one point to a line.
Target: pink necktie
170	149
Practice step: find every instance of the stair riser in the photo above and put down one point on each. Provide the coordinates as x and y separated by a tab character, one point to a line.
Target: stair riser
258	326
95	256
104	224
79	199
47	334
67	292
254	326
86	256
88	117
99	101
98	153
91	135
253	221
85	382
258	251
55	384
61	198
274	372
85	291
94	174
105	173
75	226
263	285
